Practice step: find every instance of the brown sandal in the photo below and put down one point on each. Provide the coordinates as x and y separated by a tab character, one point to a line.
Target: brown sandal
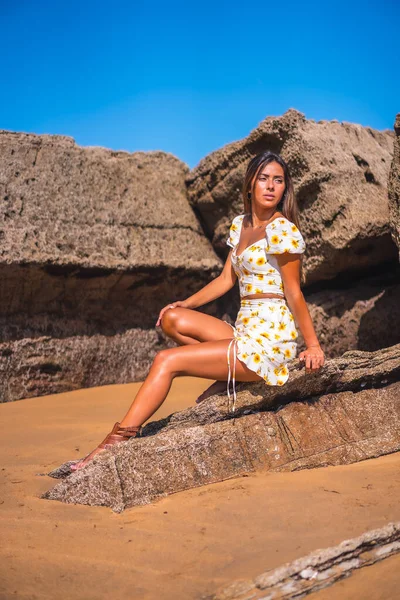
117	435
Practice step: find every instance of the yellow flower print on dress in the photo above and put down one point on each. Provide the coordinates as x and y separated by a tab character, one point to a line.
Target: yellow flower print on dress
257	358
233	227
261	261
293	335
295	243
282	326
294	229
260	276
274	239
281	371
287	353
249	287
276	350
245	320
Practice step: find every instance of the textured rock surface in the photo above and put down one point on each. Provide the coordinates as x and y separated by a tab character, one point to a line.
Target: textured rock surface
319	569
394	186
337	416
355	315
34	366
95	208
92	243
340	172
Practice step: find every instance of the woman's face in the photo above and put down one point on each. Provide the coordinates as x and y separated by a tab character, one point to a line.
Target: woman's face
269	186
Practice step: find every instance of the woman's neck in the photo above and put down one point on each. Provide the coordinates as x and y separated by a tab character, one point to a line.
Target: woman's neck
260	218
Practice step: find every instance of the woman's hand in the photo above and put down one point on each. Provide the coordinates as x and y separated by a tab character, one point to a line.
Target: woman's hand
313	357
172	305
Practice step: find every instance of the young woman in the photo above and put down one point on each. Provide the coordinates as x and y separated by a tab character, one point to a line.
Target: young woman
265	256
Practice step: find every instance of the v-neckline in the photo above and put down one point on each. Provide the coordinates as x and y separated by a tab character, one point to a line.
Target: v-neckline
256	242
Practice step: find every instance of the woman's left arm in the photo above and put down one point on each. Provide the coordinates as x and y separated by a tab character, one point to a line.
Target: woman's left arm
289	265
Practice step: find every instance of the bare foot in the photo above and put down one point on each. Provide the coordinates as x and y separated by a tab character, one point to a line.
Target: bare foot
215	388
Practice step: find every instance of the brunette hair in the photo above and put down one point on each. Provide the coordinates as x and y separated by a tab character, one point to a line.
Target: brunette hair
288	204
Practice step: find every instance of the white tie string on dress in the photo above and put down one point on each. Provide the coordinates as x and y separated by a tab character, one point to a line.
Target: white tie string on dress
233	341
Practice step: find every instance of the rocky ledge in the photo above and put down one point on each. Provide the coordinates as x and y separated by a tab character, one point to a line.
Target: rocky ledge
346	412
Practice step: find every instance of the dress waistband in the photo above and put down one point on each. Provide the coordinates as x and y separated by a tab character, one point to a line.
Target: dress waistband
256	301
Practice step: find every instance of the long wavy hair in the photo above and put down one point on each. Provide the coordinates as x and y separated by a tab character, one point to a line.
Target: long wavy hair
288	203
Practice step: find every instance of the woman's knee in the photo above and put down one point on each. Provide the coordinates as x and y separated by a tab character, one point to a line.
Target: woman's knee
163	359
170	320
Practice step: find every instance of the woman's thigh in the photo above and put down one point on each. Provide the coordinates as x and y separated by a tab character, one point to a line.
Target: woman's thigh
207	359
187	323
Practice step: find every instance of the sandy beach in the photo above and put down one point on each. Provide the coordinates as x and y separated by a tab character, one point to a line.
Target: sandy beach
188	545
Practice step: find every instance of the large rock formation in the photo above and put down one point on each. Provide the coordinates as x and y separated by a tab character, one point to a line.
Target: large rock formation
93	243
394	186
346	412
340	173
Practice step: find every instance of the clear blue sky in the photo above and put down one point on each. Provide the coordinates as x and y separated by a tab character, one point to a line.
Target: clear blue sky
188	77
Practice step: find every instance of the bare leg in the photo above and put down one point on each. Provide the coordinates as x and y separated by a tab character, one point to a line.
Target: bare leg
206	359
187	326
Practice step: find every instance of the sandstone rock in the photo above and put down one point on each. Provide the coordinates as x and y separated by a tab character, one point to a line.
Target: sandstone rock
346	412
340	173
92	243
318	569
95	208
394	186
356	316
38	366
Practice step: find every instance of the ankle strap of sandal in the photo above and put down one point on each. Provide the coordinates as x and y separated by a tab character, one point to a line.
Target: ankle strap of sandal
129	431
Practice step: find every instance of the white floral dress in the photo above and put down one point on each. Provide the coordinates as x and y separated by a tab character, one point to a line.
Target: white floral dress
264	333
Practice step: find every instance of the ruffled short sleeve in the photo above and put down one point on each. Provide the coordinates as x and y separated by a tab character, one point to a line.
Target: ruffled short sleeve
234	232
283	236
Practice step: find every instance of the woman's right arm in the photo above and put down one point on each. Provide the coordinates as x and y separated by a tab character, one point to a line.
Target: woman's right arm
216	288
